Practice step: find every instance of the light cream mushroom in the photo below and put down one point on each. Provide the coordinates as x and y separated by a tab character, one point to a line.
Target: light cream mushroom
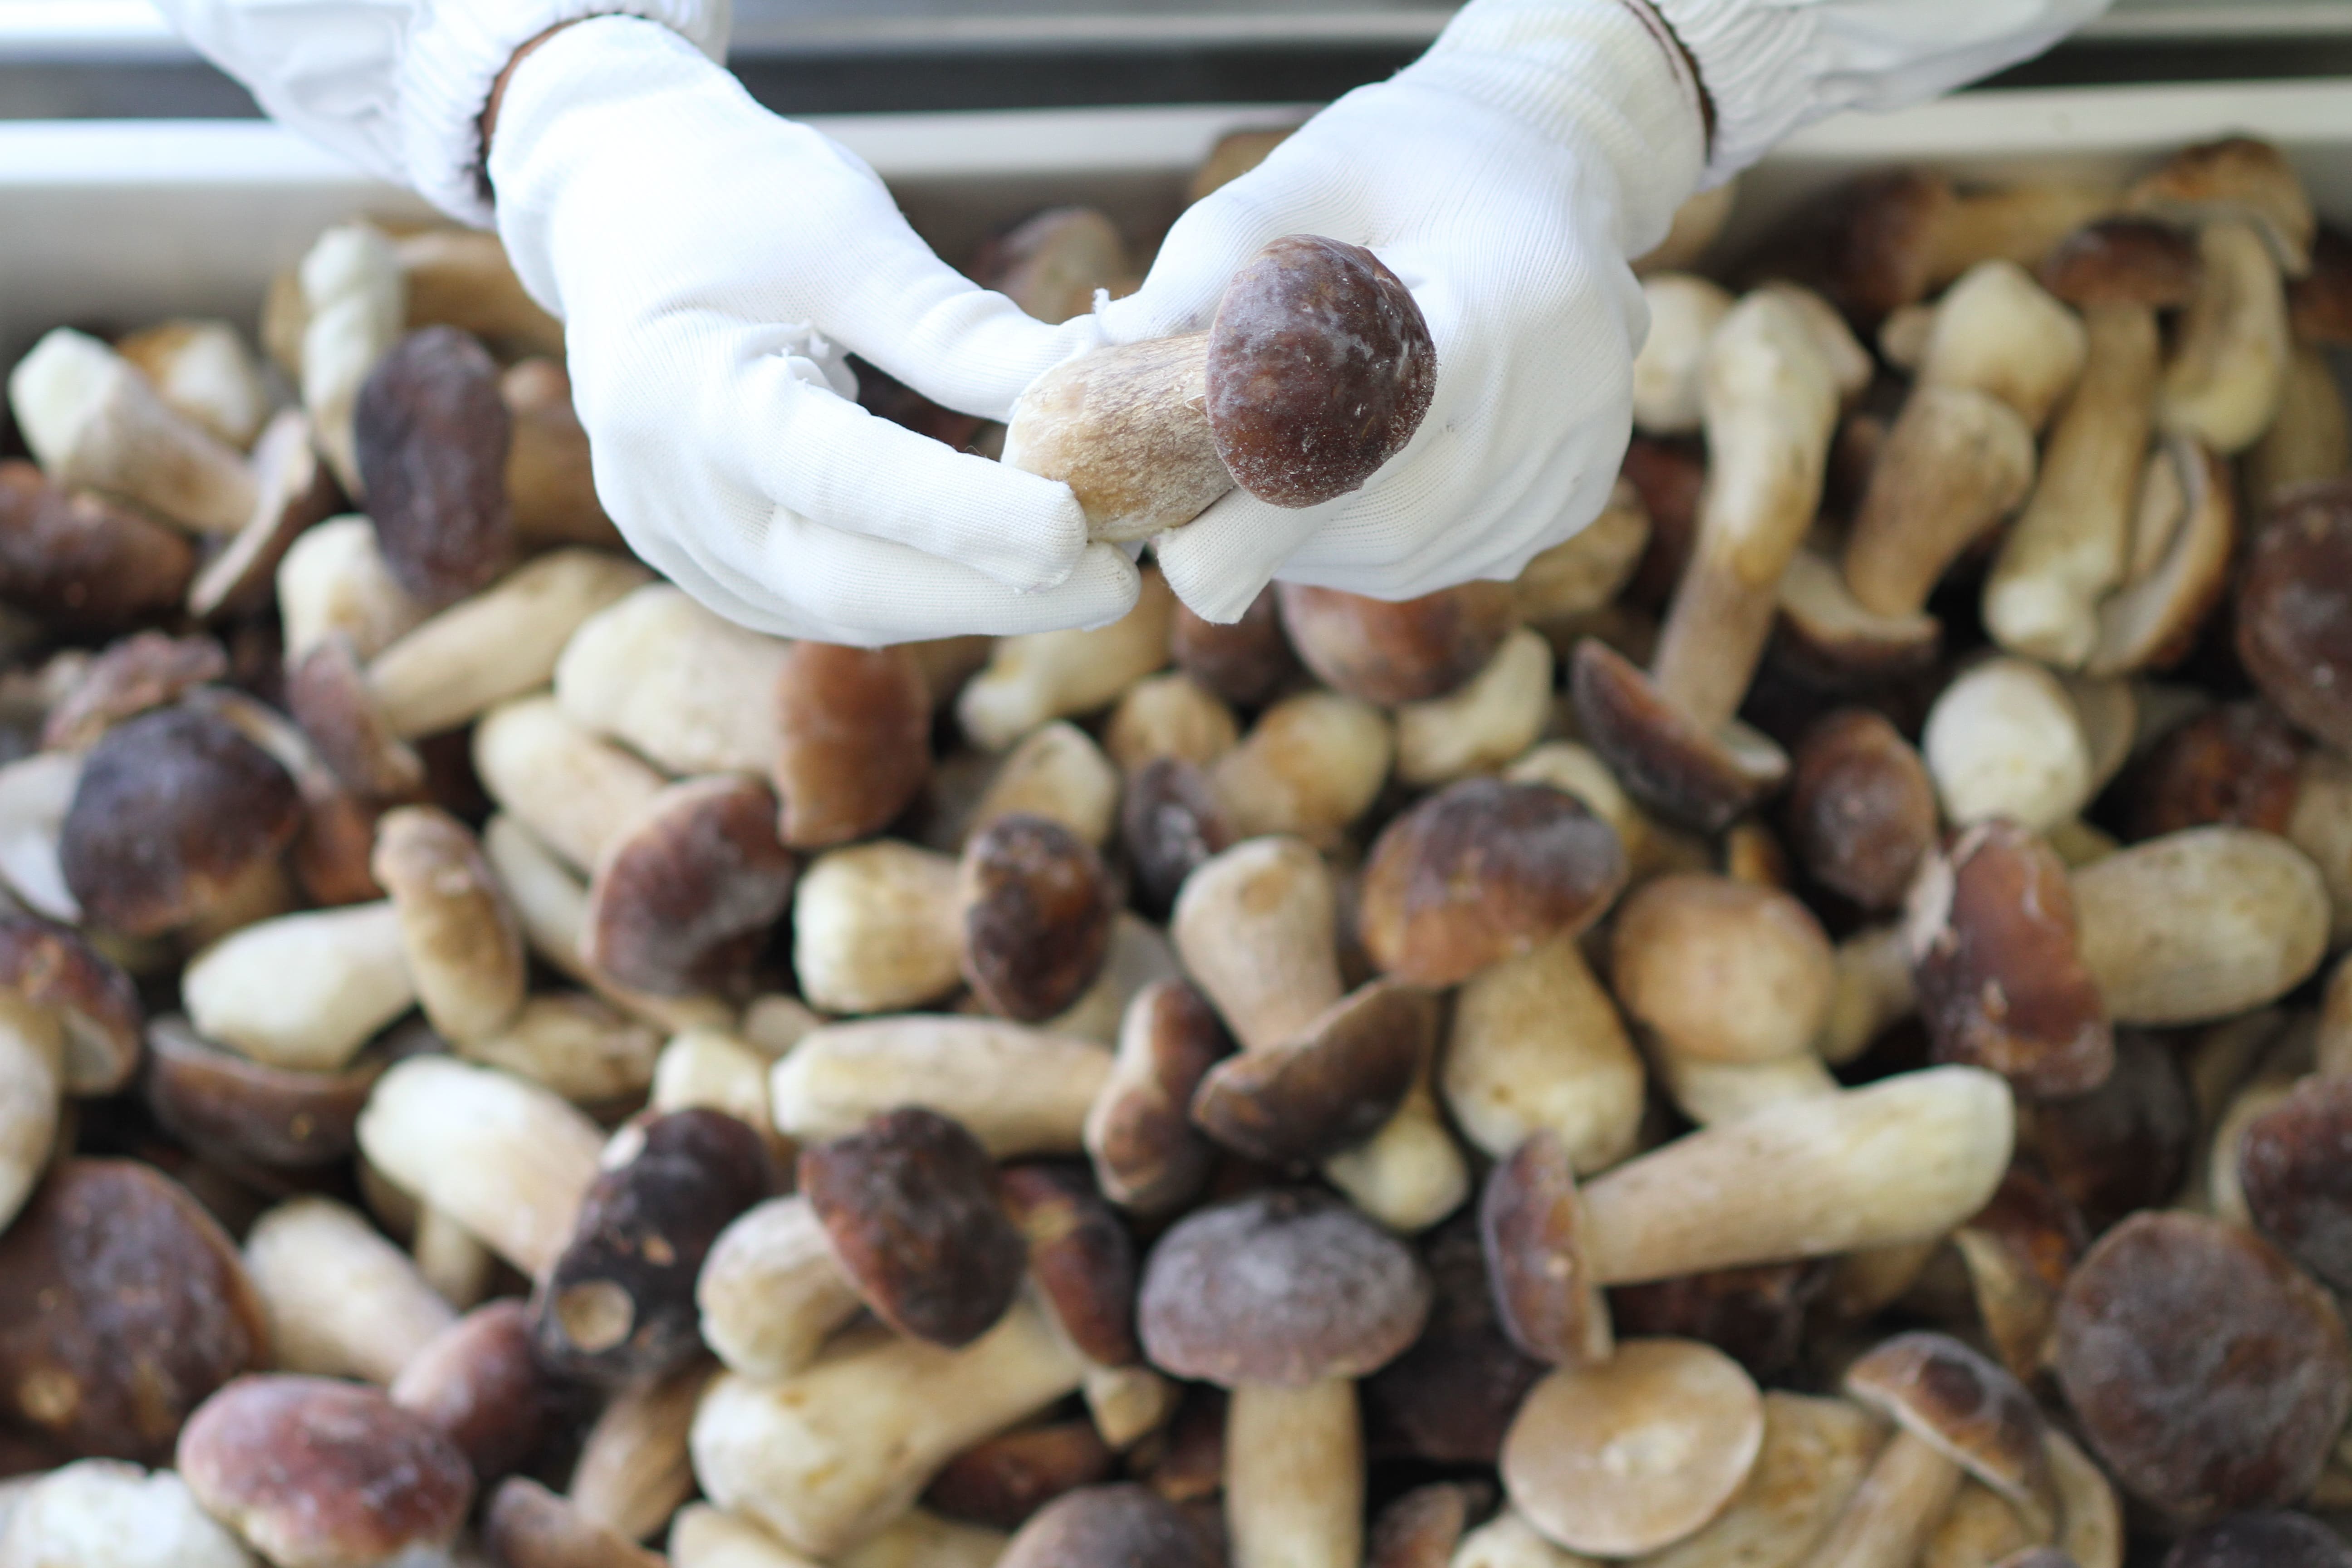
202	372
2183	532
1482	724
1018	1091
1815	1452
1310	766
1685	311
303	989
2004	739
1535	1042
877	928
691	692
342	1301
1042	676
350	305
634	1467
1055	772
333	579
2229	367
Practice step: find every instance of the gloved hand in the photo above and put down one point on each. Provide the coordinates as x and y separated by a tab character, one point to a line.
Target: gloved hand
710	262
1506	177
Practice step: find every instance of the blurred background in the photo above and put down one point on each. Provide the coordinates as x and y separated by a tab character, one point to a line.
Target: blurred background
115	58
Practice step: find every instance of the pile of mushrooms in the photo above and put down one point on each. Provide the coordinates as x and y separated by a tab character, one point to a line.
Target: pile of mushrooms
1807	1031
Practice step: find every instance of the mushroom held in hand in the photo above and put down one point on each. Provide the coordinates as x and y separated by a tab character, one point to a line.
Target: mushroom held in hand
1317	370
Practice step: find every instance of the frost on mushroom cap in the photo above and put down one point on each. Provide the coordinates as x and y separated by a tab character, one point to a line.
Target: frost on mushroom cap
173	808
2263	1539
684	896
909	1203
2294	610
1285	1287
1961	1405
1320	368
314	1473
2209	1373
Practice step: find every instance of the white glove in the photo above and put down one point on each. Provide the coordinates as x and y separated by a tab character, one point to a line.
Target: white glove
1506	177
710	262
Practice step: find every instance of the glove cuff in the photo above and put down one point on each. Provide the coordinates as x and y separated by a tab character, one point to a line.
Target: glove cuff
454	53
1773	66
1585	73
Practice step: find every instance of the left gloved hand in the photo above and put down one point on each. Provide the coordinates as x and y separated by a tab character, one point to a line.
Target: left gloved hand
1505	178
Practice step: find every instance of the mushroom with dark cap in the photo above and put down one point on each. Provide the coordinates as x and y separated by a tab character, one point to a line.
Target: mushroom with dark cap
2264	1539
81	563
618	1306
526	1526
1147	1155
1771	397
1956	1415
1245	663
53	971
2206	1371
222	1102
1258	929
854	741
2019	1250
327	692
1528	1223
910	1206
685	893
1317	370
1636	1452
2294	610
1037	914
2238	763
1993	956
2068	548
1861	809
1081	1257
122	1306
1406	651
1285	1297
432	434
2123	1146
1450	1398
147	670
1169	821
1128	1524
314	1473
2297	1181
174	811
480	1383
1422	1528
1482	870
1002	1481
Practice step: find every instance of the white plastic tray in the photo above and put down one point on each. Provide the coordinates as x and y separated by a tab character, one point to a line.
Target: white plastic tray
110	223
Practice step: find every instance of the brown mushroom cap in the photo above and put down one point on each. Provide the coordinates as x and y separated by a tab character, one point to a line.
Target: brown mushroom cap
1861	809
1320	368
431	433
82	564
910	1205
479	1381
217	1100
2020	1248
1867	244
2237	178
856	741
1624	1457
2294	609
1964	1406
618	1305
1699	776
327	693
122	1305
1170	820
1245	663
684	897
1723	970
2239	763
1038	910
55	971
2125	1145
146	669
526	1526
1420	1528
173	809
1080	1255
2123	261
2262	1540
2297	1181
1481	871
1451	1397
1408	650
2320	306
1000	1481
1126	1525
1545	1298
1148	1156
1285	1287
1994	955
318	1474
1329	1088
2209	1373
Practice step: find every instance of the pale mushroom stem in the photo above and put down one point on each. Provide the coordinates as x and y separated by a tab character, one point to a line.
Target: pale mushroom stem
32	1057
1887	1520
1127	429
1295	1475
2017	224
2067	548
1771	399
